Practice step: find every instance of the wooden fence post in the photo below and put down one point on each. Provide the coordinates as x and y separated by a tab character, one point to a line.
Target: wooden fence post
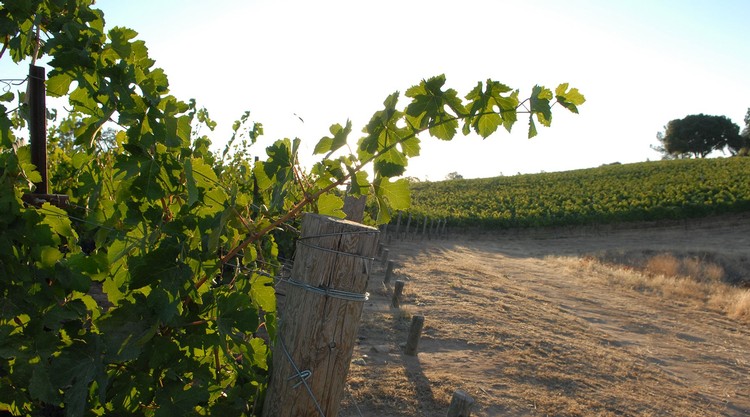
461	405
318	324
415	332
386	251
398	225
354	208
388	272
408	224
38	125
424	227
398	289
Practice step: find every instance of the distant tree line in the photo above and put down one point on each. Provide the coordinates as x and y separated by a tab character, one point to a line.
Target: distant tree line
697	135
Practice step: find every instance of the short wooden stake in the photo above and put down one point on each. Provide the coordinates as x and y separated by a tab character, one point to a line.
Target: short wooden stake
317	329
398	289
388	272
415	332
461	405
385	256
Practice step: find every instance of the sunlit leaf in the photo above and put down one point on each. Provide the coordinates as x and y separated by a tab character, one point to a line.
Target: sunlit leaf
331	205
58	85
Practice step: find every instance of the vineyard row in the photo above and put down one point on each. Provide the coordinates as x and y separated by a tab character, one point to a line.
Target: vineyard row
609	194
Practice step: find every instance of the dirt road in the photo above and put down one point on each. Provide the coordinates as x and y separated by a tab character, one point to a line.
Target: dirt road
526	331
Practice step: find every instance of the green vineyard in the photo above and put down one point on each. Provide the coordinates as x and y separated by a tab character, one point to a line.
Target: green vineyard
614	193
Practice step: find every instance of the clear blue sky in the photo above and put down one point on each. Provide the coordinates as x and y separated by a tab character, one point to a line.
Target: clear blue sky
640	64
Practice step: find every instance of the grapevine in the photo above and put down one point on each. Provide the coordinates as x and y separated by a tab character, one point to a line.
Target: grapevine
152	292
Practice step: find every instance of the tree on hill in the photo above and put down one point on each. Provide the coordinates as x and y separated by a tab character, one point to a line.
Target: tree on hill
698	135
454	176
746	135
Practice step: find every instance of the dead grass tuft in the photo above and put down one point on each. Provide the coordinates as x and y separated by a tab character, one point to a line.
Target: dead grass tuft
740	308
689	278
663	264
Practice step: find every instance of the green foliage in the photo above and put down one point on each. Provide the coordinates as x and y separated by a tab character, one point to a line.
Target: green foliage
699	135
614	193
151	294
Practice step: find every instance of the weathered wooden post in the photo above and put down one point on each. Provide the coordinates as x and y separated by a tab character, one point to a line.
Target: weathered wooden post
388	272
386	252
318	324
424	227
408	224
398	289
461	405
415	333
354	208
398	225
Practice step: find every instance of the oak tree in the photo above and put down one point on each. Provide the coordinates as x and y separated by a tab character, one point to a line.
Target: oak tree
699	135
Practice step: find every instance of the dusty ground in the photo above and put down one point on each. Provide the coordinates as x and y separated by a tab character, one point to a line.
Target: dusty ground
526	331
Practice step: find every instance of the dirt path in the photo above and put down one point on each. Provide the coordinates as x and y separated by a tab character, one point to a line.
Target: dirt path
514	325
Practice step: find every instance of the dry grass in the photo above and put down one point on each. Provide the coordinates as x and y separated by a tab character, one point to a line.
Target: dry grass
694	279
739	306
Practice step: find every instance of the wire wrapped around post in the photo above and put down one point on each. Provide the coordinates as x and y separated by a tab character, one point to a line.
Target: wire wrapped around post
319	321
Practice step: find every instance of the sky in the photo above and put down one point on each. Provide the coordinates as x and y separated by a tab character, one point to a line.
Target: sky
299	66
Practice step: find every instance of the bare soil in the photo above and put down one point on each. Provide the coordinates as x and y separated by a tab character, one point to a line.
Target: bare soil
515	320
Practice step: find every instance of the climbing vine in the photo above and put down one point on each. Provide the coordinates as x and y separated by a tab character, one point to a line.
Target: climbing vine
151	292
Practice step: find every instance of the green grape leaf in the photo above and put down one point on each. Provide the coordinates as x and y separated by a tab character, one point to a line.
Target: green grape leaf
391	163
260	352
391	196
192	188
250	255
411	147
332	144
178	131
428	108
540	105
263	293
75	369
261	177
358	183
57	219
331	205
151	267
49	256
59	84
126	329
121	44
40	386
147	184
379	122
532	127
397	193
489	108
570	99
236	311
72	279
